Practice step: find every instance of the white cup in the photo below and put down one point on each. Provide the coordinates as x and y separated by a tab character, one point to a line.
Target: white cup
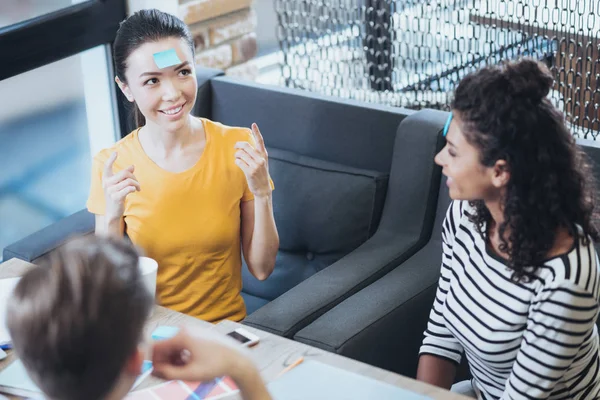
148	269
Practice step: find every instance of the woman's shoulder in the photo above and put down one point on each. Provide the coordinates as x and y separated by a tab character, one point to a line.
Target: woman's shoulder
458	214
577	267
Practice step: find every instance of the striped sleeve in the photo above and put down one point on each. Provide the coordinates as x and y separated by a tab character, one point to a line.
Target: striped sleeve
560	321
438	340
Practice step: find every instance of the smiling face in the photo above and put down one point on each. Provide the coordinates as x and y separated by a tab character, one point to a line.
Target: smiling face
468	178
164	96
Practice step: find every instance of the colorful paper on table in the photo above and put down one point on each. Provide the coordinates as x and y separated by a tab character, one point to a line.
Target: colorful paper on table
317	381
180	390
166	58
6	288
164	332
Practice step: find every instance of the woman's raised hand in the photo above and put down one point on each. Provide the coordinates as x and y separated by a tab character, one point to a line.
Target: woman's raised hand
255	164
117	186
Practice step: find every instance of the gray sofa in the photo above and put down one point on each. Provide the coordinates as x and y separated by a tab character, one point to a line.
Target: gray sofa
383	323
356	192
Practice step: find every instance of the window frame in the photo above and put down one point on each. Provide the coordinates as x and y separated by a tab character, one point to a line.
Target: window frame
45	39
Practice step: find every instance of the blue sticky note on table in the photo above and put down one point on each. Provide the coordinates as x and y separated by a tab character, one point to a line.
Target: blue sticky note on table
164	332
166	58
146	365
146	370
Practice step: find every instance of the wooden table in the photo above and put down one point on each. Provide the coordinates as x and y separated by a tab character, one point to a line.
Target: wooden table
274	353
271	355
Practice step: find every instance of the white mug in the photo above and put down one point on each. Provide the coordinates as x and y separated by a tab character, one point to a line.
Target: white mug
148	269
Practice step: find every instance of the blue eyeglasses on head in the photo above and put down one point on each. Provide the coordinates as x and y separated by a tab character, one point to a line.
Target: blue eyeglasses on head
445	131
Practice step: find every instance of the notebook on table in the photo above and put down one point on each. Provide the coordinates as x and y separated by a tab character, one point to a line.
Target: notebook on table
15	380
317	381
6	288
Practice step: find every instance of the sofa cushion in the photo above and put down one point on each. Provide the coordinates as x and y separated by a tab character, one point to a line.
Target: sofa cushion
323	211
253	303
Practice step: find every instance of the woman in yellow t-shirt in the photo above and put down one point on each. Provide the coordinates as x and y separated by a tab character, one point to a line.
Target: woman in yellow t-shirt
189	191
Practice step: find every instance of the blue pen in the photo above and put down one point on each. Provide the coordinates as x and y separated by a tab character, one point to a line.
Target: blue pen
6	346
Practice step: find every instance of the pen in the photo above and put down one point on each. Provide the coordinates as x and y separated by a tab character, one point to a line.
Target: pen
291	366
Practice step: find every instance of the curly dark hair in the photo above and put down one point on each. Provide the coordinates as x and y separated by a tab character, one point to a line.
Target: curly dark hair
506	115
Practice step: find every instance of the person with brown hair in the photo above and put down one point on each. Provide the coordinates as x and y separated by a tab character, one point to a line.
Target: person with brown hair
77	325
519	289
194	194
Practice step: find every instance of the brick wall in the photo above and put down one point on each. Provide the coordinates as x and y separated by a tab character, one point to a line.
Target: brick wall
224	31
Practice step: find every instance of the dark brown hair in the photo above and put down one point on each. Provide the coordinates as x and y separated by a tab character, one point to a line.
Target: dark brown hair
76	320
507	116
142	27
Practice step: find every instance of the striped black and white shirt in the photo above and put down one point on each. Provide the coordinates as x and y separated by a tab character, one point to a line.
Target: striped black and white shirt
535	340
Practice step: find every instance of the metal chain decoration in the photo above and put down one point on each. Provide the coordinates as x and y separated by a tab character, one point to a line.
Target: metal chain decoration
412	53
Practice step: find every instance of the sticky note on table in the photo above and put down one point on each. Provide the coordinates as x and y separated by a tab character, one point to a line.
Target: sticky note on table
166	58
164	332
146	365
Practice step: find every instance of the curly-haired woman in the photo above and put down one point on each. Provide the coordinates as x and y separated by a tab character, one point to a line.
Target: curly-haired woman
519	287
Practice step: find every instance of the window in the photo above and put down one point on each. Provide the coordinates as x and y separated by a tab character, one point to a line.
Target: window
267	27
58	107
48	139
15	11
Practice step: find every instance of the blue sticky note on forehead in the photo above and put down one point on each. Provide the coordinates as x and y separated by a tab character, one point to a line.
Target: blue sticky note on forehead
166	58
447	126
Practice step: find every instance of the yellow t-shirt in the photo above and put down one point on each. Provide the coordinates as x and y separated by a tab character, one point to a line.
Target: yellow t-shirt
189	222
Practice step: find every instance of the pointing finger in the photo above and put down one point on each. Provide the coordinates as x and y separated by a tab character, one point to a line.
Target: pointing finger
258	137
108	165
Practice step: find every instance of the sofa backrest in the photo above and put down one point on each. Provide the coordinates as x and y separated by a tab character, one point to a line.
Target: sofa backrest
346	132
329	159
444	201
323	211
414	179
